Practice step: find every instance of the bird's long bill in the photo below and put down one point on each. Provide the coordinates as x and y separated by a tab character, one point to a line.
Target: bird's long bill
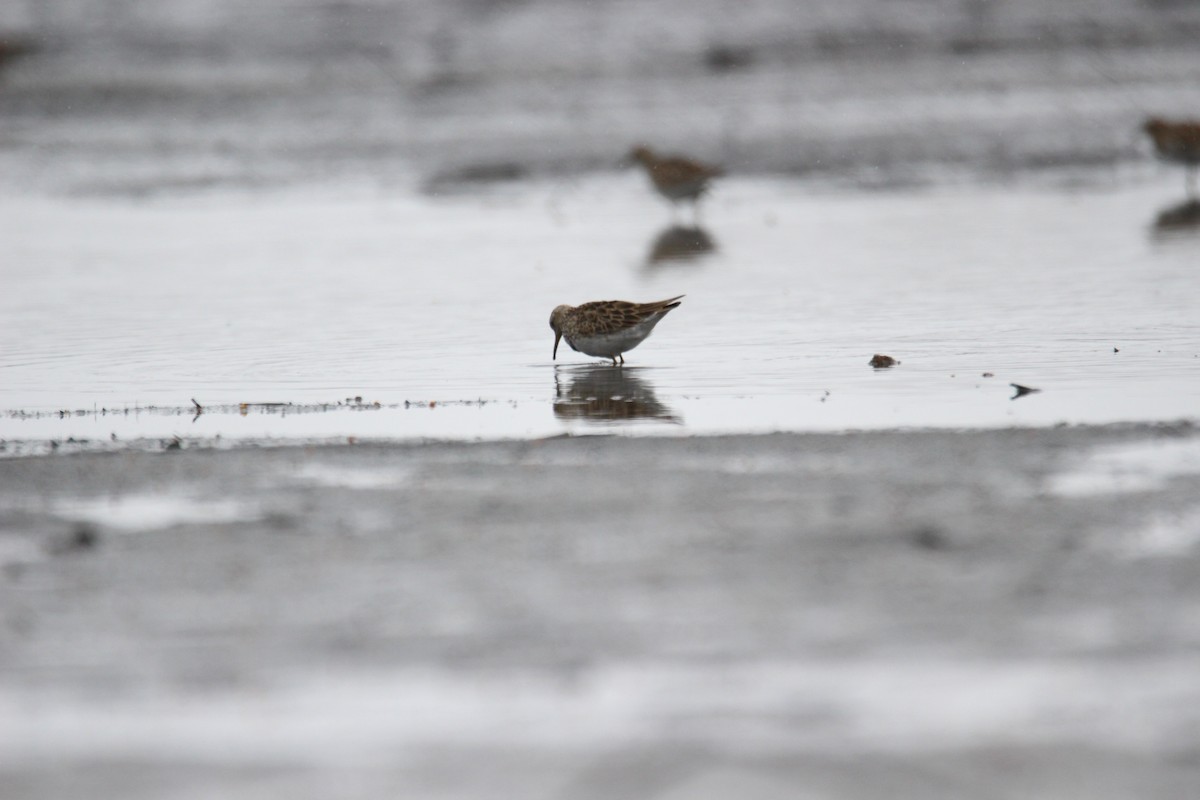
557	336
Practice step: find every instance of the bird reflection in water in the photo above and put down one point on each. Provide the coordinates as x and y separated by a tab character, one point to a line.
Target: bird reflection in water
680	243
1181	218
599	393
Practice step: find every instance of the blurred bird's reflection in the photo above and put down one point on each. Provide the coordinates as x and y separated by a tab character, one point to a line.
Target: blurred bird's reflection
1184	217
680	243
602	393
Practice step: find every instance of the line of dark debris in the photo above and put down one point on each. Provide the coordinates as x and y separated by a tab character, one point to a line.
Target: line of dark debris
352	404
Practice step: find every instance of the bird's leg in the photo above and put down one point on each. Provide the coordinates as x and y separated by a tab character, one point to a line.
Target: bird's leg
622	355
614	358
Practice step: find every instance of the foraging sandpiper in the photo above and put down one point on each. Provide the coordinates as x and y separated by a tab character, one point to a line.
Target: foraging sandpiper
1177	140
677	179
607	328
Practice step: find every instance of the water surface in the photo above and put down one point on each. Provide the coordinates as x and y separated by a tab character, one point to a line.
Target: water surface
300	204
324	297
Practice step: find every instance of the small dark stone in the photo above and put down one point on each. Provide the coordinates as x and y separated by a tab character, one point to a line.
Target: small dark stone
723	57
83	537
280	520
880	361
1021	391
929	537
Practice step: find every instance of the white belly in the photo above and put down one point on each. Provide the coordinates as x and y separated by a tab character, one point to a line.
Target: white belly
613	344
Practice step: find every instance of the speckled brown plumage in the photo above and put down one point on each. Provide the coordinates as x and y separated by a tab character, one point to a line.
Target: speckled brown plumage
676	178
1177	140
609	316
607	328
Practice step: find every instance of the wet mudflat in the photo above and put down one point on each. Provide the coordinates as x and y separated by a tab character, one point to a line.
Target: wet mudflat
1004	614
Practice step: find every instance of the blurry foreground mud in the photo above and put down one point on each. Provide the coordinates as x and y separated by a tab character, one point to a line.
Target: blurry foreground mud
909	615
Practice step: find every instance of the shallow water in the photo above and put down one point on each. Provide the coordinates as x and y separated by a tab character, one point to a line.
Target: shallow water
319	298
302	203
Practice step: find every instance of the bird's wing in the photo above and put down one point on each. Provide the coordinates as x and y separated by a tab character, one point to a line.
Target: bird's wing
683	169
609	316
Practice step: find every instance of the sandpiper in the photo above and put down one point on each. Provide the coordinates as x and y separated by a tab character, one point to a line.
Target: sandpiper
1177	140
607	328
676	179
